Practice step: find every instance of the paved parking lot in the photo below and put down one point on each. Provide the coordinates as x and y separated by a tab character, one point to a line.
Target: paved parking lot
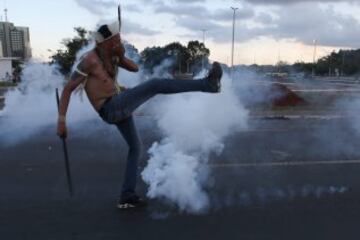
277	180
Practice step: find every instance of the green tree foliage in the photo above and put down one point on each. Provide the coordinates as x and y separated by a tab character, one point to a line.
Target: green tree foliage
343	62
198	53
17	67
303	67
185	58
66	57
180	55
346	62
152	56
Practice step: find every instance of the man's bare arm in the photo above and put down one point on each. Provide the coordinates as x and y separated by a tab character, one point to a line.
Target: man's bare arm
128	65
124	62
76	78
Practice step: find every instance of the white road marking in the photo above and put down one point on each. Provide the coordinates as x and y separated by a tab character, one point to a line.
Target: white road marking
305	116
284	164
326	90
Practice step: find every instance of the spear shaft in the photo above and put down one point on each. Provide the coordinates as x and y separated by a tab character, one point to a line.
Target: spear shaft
66	155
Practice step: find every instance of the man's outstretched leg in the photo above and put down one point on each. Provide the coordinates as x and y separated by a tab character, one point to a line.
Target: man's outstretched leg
122	105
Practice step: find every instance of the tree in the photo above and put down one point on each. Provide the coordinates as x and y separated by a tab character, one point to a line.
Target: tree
65	58
180	55
198	53
151	57
183	57
347	62
303	67
17	69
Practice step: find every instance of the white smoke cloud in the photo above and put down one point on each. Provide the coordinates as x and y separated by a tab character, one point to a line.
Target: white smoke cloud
195	126
176	176
27	108
32	106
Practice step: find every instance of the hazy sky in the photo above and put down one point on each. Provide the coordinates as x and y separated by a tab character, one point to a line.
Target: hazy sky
266	30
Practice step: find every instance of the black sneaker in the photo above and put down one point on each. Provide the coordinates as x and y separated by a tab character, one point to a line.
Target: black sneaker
131	203
214	77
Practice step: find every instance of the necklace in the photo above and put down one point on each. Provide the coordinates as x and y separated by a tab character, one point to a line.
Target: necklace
114	71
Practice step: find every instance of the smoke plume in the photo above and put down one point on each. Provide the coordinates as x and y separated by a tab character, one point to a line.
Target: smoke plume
32	106
195	125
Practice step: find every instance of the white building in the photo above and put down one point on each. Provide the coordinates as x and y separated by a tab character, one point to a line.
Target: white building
5	69
1	51
15	41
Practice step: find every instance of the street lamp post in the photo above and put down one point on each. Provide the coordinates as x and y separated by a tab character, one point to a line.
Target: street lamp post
314	58
330	65
203	58
233	41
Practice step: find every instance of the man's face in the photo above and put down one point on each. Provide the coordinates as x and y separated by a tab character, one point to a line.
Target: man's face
116	46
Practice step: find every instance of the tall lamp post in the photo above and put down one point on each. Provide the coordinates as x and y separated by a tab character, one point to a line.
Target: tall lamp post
314	58
203	58
343	64
233	41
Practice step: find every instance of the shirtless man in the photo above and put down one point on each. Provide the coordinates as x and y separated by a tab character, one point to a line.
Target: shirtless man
97	70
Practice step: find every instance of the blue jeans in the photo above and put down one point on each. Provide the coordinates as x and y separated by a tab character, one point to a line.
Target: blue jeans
119	108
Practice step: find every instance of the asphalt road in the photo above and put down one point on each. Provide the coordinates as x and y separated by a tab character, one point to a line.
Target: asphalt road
269	183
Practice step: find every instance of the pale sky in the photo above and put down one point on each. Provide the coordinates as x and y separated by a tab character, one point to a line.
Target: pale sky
266	30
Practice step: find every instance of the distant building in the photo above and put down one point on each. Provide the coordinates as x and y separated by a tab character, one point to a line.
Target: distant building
1	51
15	41
5	69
